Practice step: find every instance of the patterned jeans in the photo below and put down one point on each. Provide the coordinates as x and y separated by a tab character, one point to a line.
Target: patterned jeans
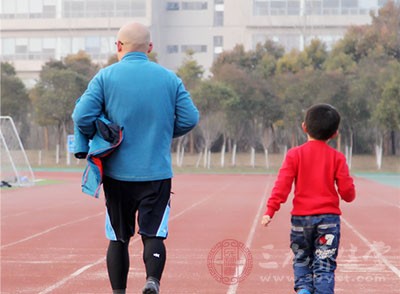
314	241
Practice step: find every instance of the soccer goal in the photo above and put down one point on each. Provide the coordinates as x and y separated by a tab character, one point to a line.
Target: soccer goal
15	169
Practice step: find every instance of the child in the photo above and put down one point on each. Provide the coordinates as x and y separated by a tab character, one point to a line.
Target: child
315	168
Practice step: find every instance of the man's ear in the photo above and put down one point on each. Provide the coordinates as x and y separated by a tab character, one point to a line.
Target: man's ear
150	47
119	47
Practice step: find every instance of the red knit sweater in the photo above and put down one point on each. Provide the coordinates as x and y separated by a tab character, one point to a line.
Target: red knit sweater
320	174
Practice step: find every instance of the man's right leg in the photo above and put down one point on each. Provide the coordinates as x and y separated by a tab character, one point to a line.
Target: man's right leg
118	265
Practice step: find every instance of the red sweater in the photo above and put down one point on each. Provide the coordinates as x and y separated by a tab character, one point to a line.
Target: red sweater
315	168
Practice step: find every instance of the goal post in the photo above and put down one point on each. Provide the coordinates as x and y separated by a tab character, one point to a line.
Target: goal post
15	169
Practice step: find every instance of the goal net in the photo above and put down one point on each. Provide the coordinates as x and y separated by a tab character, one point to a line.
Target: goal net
15	169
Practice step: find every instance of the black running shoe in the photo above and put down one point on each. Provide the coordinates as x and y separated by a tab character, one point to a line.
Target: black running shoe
152	286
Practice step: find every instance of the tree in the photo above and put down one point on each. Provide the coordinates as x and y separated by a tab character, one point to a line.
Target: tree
81	63
190	71
314	55
341	62
386	29
60	84
387	111
211	99
268	55
249	74
191	74
290	63
14	99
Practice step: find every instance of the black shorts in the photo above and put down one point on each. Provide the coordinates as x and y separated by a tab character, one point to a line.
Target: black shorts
123	199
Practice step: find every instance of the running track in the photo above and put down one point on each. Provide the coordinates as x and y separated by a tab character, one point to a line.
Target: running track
52	238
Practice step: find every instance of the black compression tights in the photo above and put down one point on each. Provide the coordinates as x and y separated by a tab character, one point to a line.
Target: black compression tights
118	264
154	256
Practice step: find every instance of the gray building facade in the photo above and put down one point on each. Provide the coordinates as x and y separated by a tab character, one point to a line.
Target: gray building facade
34	31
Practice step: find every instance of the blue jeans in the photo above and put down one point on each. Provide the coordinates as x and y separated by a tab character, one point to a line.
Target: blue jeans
314	241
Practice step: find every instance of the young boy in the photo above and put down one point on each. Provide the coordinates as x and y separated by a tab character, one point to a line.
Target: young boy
315	168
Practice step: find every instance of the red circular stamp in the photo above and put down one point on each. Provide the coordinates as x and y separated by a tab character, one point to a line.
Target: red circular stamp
230	262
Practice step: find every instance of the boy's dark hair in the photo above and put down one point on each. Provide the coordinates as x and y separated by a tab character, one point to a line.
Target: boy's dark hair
322	121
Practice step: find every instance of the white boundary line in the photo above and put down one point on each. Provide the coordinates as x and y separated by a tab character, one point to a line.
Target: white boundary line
49	230
256	222
88	266
73	275
371	246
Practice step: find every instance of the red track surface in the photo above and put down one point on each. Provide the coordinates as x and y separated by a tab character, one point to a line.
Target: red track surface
53	238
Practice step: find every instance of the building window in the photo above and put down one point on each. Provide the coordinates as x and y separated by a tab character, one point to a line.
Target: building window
314	7
330	7
49	11
8	46
78	43
194	5
278	7
73	8
194	48
218	18
171	49
261	7
293	7
92	45
311	7
218	41
172	5
66	46
21	45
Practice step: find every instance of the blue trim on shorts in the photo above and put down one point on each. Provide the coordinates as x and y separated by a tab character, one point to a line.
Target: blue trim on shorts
163	228
110	233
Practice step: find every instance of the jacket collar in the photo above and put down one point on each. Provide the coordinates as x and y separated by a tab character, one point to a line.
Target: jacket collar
135	56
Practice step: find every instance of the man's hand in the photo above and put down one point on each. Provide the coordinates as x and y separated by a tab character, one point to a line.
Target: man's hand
266	219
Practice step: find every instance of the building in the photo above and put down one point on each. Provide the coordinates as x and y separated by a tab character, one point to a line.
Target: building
34	31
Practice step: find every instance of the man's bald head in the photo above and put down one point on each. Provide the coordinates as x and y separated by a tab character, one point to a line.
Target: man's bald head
133	37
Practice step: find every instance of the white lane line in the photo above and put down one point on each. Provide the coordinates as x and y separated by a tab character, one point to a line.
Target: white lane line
256	222
88	266
39	209
73	275
371	246
50	230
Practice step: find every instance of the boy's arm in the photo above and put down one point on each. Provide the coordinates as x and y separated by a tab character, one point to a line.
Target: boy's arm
344	181
266	219
282	188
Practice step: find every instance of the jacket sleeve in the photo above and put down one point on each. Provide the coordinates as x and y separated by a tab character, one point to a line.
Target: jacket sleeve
186	113
89	107
81	144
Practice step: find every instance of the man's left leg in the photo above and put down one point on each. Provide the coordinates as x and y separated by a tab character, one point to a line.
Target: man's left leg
118	265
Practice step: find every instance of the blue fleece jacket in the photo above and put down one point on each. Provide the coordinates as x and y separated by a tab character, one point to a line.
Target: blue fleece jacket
107	138
150	103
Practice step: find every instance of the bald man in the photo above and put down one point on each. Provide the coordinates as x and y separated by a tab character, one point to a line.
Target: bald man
152	106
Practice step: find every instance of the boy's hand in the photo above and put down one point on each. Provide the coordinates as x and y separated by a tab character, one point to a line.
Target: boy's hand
266	219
